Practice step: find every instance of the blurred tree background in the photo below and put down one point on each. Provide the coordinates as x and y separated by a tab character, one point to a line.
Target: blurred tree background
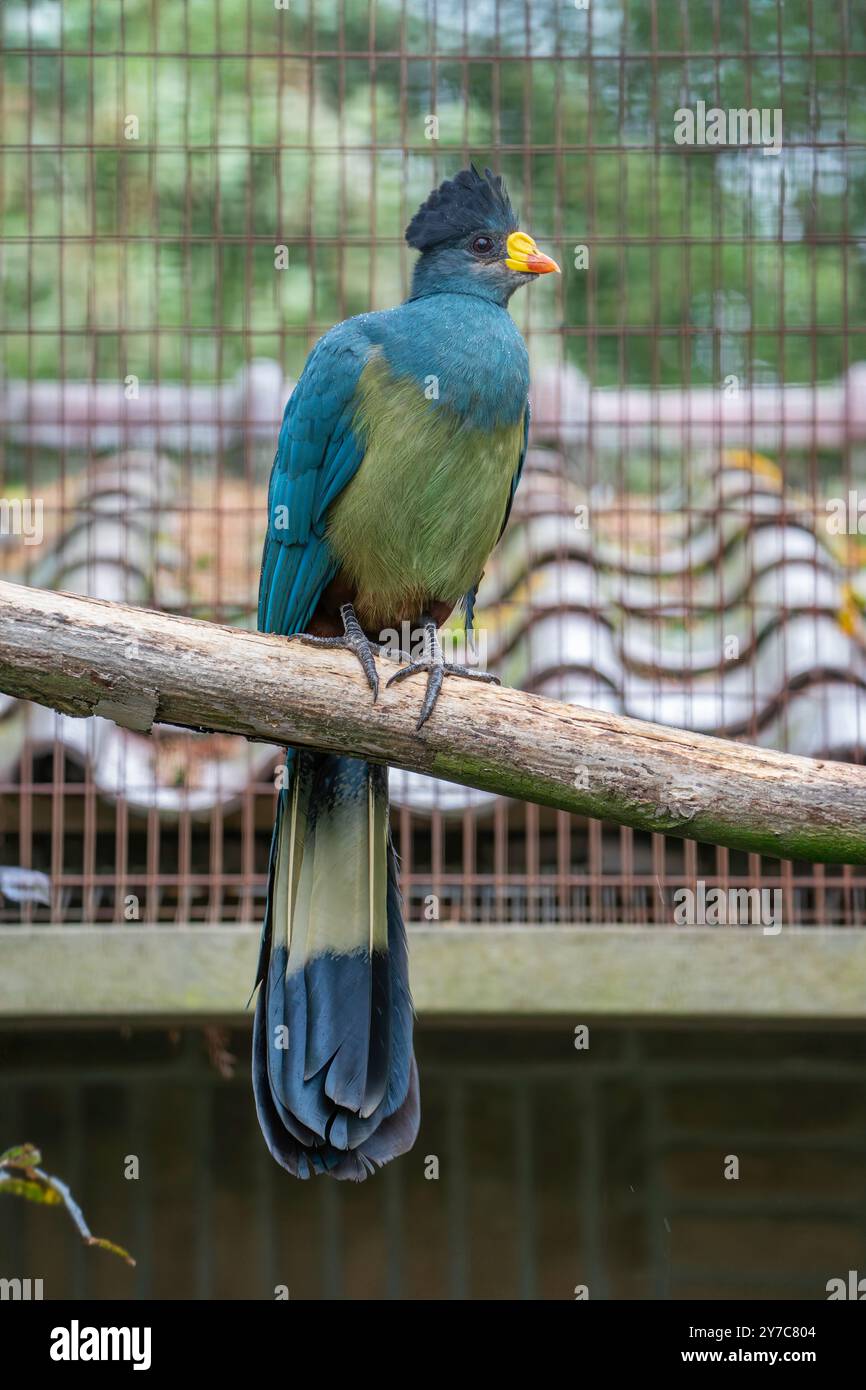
152	252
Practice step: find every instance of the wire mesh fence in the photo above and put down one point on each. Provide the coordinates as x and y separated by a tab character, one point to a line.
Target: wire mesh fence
191	194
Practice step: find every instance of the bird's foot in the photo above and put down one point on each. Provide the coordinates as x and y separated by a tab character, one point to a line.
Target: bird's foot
354	640
437	669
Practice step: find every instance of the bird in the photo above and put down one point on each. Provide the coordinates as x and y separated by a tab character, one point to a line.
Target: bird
399	454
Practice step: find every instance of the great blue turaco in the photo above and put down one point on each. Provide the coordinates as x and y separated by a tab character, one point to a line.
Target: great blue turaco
385	501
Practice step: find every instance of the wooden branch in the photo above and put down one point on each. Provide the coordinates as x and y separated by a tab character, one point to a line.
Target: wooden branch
139	668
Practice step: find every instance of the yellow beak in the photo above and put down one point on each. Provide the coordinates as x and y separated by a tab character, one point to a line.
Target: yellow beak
524	255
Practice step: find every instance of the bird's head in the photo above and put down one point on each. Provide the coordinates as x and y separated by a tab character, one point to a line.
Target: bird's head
469	241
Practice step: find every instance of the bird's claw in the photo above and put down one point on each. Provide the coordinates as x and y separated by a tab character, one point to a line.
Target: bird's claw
437	670
353	640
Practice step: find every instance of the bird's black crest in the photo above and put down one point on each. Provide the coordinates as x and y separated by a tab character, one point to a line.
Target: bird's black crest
467	203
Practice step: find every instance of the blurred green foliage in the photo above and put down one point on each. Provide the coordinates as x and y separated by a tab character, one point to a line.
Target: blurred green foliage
260	127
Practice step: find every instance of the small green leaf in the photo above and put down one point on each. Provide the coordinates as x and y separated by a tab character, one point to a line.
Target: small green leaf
112	1248
21	1156
30	1189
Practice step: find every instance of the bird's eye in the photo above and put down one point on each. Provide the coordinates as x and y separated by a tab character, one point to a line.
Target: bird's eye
482	245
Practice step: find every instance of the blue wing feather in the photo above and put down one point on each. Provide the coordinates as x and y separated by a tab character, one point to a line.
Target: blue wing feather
318	453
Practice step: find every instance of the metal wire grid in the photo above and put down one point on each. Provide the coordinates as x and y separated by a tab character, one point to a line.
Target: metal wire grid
153	257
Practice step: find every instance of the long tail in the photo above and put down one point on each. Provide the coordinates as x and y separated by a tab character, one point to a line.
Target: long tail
334	1074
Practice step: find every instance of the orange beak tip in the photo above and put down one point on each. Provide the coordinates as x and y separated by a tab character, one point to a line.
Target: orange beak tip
542	265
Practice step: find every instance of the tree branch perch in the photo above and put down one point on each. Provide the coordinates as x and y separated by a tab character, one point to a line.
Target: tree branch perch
137	667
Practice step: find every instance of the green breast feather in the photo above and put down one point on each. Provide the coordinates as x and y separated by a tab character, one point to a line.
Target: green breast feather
420	517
